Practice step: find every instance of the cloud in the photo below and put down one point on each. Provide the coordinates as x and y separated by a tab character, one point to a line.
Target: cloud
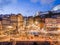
43	1
0	1
4	3
14	1
34	1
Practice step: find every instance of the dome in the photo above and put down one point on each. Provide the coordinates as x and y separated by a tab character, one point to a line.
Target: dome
56	8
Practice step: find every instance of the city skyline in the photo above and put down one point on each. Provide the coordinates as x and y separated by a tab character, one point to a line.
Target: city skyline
26	7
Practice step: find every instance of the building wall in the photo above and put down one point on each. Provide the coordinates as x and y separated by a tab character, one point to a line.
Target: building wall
17	23
52	23
0	25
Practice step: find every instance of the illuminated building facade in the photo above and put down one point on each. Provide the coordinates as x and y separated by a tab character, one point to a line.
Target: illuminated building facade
29	27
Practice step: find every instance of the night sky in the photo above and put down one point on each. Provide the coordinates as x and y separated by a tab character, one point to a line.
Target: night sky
26	7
